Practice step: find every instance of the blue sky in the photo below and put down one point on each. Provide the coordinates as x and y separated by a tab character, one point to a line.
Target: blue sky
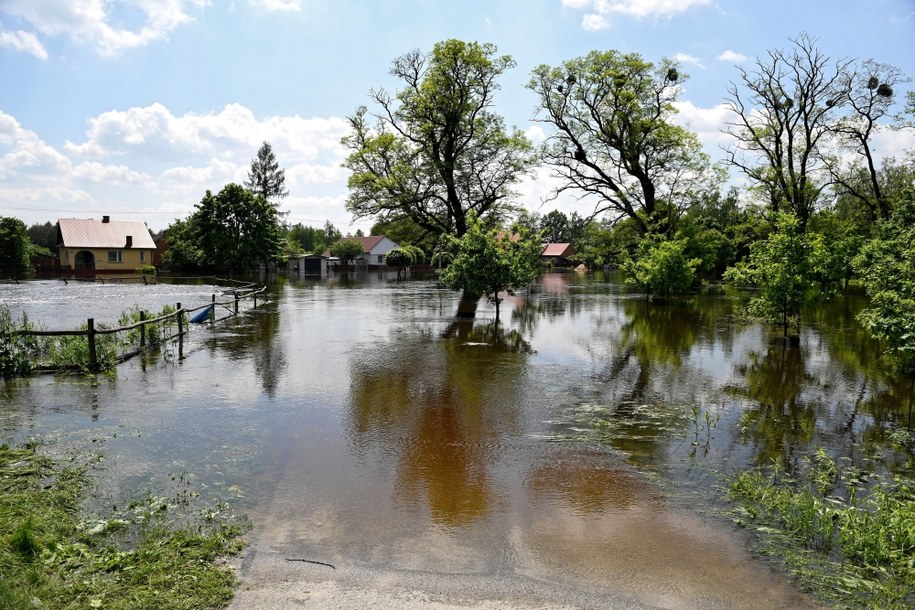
134	108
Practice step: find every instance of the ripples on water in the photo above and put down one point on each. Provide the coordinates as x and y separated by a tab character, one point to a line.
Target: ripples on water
579	441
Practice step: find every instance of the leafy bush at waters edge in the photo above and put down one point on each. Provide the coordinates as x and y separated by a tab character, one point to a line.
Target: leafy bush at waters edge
846	535
52	557
21	354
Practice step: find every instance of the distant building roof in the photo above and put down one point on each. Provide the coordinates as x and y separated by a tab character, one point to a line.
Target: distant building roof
560	250
91	233
368	243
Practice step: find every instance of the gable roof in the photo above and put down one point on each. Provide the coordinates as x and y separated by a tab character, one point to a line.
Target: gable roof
368	243
91	233
562	250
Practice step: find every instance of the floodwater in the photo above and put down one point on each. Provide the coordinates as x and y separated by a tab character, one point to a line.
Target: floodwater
579	445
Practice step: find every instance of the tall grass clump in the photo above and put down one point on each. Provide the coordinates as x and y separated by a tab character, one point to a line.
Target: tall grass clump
847	535
17	352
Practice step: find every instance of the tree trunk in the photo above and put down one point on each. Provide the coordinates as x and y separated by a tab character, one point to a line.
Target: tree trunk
467	306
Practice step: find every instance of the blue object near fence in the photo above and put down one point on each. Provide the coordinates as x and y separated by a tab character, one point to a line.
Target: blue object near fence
203	315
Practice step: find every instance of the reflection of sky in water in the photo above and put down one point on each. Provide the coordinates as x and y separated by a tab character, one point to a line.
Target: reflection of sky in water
364	422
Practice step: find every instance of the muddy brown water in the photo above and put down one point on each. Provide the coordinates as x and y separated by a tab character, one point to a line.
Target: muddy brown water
581	442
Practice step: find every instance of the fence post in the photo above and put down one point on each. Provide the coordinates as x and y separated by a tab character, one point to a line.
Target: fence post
93	354
180	316
213	309
142	329
255	300
236	302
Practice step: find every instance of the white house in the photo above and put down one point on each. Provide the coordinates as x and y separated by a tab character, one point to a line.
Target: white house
374	249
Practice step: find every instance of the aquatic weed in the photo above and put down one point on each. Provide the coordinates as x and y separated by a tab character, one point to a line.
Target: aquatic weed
855	548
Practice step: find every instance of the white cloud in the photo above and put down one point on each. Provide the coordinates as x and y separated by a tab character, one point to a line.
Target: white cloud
535	133
592	22
165	163
23	41
279	5
706	123
689	59
600	10
732	57
92	22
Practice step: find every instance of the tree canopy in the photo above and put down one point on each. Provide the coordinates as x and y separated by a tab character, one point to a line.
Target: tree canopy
265	178
436	151
347	250
234	230
488	262
888	264
15	248
783	269
613	138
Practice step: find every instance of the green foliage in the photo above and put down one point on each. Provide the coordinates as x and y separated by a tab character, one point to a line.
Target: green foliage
234	230
146	271
72	351
16	351
659	267
615	139
784	270
265	178
887	263
437	151
15	248
44	236
347	250
489	262
156	332
52	557
853	545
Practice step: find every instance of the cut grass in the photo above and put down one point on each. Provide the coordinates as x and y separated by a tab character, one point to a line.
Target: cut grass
51	557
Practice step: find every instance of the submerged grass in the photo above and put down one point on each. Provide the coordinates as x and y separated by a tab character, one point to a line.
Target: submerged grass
51	556
847	535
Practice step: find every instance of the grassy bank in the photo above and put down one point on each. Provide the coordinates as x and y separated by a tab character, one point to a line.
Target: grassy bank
54	556
847	535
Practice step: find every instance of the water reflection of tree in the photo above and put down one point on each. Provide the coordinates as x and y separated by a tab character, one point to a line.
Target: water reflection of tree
254	334
436	409
647	359
780	424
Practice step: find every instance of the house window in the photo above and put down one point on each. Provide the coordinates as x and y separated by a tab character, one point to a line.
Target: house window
142	256
380	258
115	256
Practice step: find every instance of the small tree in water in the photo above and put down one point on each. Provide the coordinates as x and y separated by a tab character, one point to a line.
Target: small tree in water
490	262
783	269
659	267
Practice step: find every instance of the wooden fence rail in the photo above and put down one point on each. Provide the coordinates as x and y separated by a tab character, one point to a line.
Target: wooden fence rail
91	332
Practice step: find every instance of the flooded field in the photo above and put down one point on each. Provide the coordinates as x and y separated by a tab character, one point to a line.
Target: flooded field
570	455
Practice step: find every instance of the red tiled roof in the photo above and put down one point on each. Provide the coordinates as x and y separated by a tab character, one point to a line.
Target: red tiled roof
563	250
91	233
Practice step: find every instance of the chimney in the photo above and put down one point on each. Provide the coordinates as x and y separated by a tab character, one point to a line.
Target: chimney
129	241
105	219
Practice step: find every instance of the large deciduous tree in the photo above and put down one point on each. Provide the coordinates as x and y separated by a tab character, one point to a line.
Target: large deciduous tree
614	141
783	117
869	95
265	178
436	151
234	230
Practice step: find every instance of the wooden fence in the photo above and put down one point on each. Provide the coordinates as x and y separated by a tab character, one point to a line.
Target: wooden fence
91	332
